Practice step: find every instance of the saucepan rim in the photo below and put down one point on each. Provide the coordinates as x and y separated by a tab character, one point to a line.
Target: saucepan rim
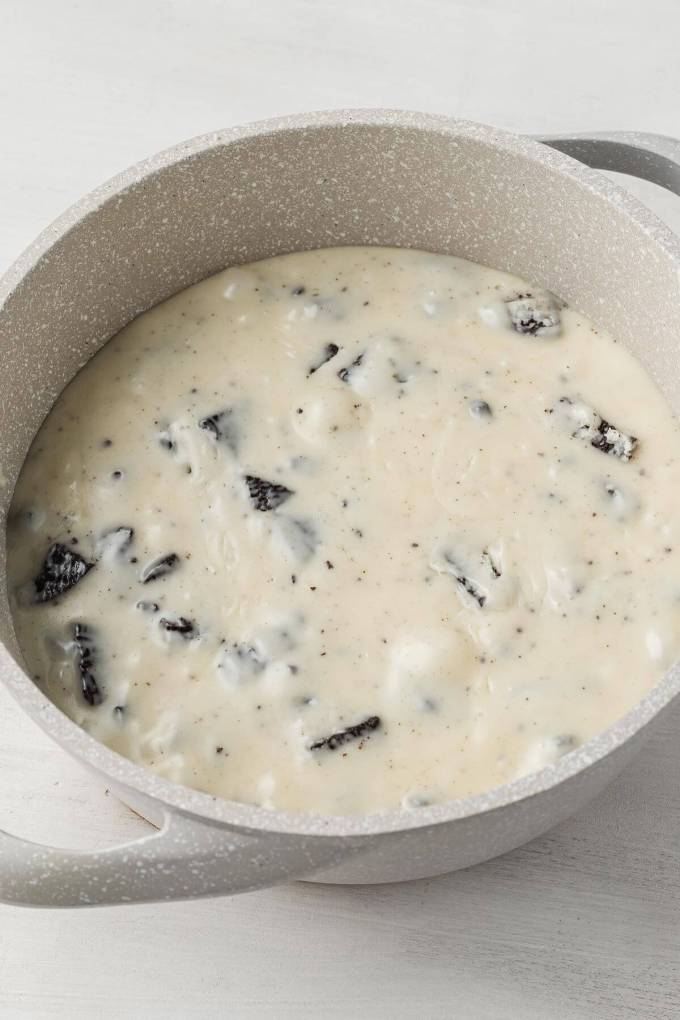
140	780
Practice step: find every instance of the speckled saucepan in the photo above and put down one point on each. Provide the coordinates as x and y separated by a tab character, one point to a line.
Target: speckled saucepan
364	177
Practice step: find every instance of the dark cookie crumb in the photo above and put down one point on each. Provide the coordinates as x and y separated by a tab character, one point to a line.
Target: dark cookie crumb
593	428
346	372
62	570
493	566
329	351
159	568
222	426
336	740
467	583
535	316
266	495
86	660
611	440
180	625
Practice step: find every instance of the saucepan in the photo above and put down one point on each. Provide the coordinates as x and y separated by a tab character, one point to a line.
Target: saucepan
351	177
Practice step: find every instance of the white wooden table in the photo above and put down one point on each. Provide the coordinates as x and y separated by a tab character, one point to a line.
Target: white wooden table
581	924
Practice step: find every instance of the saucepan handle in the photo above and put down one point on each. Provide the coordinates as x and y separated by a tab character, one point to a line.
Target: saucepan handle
185	859
654	158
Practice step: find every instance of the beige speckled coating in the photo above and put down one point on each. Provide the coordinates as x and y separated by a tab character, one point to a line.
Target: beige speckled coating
349	177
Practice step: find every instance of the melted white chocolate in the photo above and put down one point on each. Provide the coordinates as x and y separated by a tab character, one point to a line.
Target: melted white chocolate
467	567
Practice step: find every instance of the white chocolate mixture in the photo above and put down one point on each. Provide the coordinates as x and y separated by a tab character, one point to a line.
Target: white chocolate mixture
351	529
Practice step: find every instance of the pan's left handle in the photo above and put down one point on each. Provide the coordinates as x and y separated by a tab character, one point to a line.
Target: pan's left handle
651	157
185	859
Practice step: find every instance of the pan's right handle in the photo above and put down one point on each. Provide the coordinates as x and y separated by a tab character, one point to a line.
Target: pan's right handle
654	158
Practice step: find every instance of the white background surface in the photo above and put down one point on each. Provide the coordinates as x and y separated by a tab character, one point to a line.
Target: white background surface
581	924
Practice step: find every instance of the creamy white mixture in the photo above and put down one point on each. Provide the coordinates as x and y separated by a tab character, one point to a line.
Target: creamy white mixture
351	529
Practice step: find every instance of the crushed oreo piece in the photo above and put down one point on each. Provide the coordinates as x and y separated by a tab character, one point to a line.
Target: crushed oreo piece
329	352
179	625
596	430
533	315
159	568
86	660
62	570
222	426
489	560
470	586
336	740
611	440
266	495
346	372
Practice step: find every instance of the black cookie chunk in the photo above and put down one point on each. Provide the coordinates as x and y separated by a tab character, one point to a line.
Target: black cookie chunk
470	586
86	658
159	568
590	426
345	736
266	495
222	426
477	589
329	352
62	570
178	625
535	315
468	583
346	372
611	440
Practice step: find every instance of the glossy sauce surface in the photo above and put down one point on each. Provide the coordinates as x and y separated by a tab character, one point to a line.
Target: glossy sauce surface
347	530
